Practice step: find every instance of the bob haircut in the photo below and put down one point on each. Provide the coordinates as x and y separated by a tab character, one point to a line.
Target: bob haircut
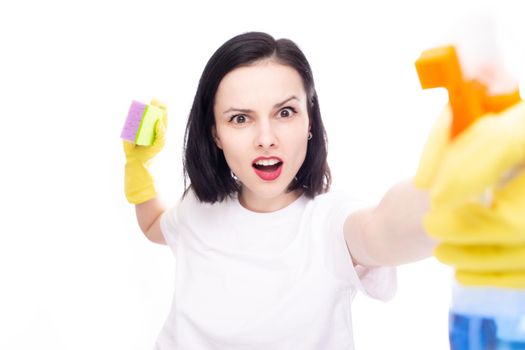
204	163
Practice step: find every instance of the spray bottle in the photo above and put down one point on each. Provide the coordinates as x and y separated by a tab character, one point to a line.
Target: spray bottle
480	318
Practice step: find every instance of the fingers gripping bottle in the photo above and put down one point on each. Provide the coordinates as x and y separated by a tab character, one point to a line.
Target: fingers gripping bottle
484	316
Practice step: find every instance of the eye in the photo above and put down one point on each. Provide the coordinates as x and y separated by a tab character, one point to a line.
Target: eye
286	112
238	119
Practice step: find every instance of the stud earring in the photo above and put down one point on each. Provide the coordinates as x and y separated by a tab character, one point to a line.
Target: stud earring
234	176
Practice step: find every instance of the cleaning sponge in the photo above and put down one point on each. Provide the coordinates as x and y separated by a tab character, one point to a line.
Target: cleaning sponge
139	127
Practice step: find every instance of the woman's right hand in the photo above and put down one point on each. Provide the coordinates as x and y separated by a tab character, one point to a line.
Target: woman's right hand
138	183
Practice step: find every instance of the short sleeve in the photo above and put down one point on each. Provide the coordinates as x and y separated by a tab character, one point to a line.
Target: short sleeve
169	225
375	282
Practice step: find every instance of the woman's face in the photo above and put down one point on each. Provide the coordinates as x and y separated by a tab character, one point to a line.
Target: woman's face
262	124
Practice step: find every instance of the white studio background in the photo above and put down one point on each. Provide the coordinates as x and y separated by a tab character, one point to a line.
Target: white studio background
75	270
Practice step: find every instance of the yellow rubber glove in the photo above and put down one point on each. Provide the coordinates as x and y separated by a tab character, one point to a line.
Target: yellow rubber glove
138	182
477	189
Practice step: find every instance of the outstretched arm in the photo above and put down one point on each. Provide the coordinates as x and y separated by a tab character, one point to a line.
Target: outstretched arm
391	233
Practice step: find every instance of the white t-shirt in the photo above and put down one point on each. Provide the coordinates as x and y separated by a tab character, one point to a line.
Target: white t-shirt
260	281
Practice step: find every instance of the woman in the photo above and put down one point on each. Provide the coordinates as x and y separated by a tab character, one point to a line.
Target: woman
267	257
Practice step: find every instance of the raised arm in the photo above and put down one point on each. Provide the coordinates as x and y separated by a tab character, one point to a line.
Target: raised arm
139	185
148	217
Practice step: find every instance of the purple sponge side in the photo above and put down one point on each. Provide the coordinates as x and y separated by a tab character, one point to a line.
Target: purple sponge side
131	126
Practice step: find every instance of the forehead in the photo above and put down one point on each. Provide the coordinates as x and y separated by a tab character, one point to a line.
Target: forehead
262	81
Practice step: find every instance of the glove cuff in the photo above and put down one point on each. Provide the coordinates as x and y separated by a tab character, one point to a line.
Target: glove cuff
139	185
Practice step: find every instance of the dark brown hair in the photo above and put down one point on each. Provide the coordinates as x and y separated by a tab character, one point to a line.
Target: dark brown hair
204	163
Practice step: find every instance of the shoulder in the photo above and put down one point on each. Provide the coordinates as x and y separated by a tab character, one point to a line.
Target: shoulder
190	202
332	208
338	199
190	209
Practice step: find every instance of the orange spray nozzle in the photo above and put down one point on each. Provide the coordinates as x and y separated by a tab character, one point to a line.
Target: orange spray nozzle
469	99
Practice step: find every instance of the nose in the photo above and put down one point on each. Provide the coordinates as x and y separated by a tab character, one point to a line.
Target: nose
266	136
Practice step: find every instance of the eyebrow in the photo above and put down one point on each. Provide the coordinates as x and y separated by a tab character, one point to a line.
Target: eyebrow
277	105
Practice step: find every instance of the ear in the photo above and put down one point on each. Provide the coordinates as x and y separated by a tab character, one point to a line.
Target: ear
215	137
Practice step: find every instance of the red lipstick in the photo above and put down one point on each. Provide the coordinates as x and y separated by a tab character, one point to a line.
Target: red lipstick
268	172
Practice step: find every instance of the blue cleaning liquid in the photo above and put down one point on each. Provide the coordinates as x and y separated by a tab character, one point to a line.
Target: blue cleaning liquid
487	319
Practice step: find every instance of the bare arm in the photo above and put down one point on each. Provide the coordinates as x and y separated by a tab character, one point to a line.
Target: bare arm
390	234
148	217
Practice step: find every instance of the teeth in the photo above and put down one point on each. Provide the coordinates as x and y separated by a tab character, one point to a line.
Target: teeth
267	162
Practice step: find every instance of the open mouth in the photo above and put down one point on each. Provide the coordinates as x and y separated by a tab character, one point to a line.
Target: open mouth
268	169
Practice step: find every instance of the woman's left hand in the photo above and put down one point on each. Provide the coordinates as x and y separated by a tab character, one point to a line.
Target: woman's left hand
477	189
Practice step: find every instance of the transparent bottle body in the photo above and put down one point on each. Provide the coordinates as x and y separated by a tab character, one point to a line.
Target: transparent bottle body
487	319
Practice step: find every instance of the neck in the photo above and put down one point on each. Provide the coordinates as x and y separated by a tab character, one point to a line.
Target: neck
258	204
